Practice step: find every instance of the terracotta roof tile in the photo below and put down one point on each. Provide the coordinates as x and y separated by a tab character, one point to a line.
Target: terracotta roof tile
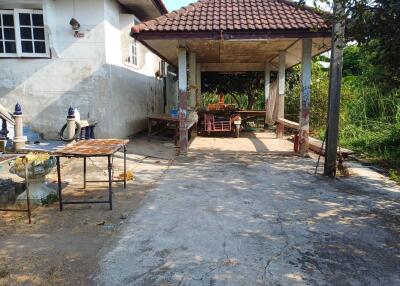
233	15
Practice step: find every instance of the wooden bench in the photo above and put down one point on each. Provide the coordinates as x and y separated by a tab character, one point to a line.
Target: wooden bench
316	146
313	144
281	123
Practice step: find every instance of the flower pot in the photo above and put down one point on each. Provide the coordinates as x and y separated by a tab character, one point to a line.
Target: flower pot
38	190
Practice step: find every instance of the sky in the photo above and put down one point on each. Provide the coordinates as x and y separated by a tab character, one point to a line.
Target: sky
176	4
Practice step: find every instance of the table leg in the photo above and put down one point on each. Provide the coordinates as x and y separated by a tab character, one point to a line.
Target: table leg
125	167
109	181
176	133
84	172
149	129
59	183
28	198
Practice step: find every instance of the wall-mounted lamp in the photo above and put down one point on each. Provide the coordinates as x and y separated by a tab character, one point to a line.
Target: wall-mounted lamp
76	26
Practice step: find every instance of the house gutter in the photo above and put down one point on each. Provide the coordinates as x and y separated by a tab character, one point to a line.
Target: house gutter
160	6
229	35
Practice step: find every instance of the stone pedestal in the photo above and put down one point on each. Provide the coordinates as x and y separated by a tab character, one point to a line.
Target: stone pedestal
19	138
71	125
38	191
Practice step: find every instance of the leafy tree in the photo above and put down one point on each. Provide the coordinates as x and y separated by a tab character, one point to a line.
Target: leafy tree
250	84
375	25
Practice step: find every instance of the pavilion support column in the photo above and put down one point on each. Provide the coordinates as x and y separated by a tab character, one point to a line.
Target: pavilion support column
198	83
182	98
305	97
192	80
281	92
267	85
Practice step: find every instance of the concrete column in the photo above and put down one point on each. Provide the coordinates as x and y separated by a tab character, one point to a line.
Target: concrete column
192	79
281	89
19	138
267	85
305	98
335	84
70	124
182	98
198	83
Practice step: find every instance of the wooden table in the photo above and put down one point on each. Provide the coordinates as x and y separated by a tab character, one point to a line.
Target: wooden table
92	148
166	119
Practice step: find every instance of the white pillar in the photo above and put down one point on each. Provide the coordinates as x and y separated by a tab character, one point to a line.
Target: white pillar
70	124
281	92
305	97
192	79
281	83
19	138
198	83
267	85
182	98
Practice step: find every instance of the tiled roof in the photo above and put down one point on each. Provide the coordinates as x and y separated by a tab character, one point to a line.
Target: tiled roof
236	15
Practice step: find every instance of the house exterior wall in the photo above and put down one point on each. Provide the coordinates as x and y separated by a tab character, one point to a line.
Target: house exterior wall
135	91
88	73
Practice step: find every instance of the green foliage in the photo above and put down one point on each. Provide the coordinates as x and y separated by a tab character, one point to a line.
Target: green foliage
394	175
51	198
370	113
243	89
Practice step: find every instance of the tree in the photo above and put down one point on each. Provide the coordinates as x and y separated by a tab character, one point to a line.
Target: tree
375	25
249	83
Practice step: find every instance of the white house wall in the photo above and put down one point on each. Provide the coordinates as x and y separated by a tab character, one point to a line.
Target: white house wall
135	91
88	73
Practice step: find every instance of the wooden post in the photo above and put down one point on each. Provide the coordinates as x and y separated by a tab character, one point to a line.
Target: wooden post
182	98
267	85
198	83
192	79
335	82
305	98
281	90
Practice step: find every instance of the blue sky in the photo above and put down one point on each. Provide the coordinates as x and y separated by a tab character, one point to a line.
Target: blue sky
176	4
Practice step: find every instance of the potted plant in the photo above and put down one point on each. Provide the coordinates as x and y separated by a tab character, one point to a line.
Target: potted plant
39	165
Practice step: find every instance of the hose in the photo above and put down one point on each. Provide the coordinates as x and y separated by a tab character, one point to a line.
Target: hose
77	132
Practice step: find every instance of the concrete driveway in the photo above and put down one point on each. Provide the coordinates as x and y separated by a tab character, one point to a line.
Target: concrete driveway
228	219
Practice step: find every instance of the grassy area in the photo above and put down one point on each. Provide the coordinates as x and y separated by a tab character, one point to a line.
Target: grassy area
369	117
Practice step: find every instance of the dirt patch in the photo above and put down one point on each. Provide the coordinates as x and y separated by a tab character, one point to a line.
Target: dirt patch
61	248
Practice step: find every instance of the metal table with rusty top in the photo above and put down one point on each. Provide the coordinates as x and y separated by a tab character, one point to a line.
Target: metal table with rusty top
92	148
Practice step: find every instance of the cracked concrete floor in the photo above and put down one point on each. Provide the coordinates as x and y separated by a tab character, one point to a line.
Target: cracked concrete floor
258	220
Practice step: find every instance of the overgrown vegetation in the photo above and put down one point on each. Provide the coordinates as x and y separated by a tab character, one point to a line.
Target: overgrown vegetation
370	113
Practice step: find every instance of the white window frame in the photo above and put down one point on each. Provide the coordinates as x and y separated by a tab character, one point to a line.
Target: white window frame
18	40
130	61
132	56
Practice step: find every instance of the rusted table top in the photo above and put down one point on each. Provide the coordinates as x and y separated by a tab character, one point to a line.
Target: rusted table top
163	116
93	147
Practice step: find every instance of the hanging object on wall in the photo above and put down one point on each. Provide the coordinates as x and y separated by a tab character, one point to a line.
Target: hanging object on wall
75	27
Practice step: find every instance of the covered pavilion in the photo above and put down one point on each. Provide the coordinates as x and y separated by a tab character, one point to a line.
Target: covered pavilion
238	36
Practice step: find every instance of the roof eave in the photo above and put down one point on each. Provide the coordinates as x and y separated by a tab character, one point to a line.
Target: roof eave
231	35
161	6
